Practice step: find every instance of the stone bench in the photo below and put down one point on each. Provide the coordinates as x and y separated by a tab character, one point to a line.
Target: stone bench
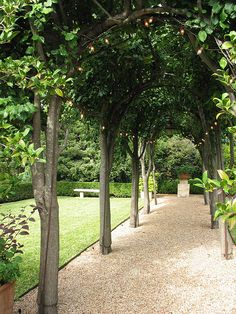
82	191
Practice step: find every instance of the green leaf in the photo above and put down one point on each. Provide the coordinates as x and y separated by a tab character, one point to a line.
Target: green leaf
226	45
202	35
219	114
223	63
216	7
223	175
69	36
59	92
205	177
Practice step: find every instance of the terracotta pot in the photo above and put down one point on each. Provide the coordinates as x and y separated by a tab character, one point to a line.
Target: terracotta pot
7	292
184	176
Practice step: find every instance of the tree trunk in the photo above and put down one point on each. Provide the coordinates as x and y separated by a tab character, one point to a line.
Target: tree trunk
220	161
206	194
210	159
45	192
154	183
145	176
146	208
106	145
231	147
134	215
212	172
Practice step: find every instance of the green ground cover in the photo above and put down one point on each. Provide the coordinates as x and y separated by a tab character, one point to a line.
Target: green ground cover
79	227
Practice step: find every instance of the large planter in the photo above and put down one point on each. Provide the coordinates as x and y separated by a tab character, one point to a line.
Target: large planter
7	292
184	176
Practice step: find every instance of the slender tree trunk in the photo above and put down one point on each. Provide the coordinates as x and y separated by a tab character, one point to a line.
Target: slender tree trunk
146	208
210	162
206	194
220	160
212	171
134	215
145	177
106	145
231	147
44	184
154	183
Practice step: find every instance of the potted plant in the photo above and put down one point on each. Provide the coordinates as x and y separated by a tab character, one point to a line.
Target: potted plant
10	249
184	172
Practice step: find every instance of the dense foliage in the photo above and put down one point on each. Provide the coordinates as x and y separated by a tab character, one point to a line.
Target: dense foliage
172	153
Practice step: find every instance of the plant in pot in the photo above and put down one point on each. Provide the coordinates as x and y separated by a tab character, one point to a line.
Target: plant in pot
11	226
184	172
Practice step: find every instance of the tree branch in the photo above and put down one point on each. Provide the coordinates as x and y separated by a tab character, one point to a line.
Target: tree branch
39	45
210	64
127	7
139	4
102	8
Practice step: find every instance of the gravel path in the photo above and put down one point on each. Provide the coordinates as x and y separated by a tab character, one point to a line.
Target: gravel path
170	264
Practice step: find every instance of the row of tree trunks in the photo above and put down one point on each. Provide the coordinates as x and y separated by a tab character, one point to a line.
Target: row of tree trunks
45	193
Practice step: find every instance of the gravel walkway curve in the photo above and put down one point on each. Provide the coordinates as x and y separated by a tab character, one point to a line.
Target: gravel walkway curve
170	264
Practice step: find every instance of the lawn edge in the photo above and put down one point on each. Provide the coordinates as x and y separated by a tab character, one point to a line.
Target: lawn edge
74	257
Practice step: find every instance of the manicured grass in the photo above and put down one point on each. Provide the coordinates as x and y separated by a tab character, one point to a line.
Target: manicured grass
79	227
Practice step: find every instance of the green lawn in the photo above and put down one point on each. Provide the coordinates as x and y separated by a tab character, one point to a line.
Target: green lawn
79	227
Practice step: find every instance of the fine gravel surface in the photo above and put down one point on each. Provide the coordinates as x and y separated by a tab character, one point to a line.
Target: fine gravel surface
170	264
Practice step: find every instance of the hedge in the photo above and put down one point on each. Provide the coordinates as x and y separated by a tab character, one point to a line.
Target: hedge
171	187
65	188
25	191
20	192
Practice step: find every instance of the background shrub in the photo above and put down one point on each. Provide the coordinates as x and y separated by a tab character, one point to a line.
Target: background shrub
25	190
20	191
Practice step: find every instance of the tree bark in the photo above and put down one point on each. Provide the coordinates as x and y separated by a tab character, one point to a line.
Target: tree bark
206	194
134	215
154	183
209	156
231	148
44	184
106	145
145	176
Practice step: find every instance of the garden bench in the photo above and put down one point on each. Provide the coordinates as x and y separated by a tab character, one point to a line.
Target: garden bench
82	191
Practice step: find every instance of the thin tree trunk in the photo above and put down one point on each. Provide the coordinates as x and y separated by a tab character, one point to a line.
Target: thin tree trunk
146	208
212	170
154	183
231	147
134	215
205	193
220	160
46	198
210	162
145	176
106	146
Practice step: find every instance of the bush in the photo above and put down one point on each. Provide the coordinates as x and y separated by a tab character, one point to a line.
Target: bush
167	186
171	187
65	188
20	191
195	189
